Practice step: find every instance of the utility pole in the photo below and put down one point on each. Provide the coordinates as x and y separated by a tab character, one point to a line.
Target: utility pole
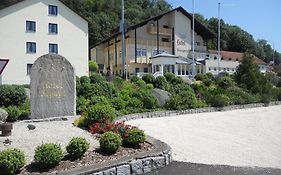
193	59
122	28
219	37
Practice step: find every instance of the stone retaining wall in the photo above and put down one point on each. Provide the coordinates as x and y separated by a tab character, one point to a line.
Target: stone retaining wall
192	111
135	164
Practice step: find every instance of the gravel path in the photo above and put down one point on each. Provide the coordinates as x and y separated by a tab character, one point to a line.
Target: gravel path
247	137
59	132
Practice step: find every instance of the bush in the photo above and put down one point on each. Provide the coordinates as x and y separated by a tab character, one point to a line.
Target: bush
200	77
12	95
207	82
13	112
11	161
182	100
181	87
148	99
140	83
85	80
220	100
99	113
169	77
210	76
77	147
101	100
118	82
134	103
25	110
134	137
80	121
148	78
82	104
96	78
118	103
149	86
225	82
93	66
161	82
134	79
48	155
110	142
104	89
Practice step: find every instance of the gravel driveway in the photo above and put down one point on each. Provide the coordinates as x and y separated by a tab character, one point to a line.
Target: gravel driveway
59	132
247	137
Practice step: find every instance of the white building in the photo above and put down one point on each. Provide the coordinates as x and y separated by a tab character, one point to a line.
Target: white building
32	28
169	33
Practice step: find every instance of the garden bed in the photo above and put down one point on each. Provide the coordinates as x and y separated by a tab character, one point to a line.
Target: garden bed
90	158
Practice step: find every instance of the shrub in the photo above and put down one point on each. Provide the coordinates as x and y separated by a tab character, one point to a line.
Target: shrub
177	80
207	82
225	82
101	100
77	147
134	137
220	100
210	76
81	104
200	77
48	155
161	82
118	103
182	100
85	80
134	79
181	87
110	142
12	95
148	99
149	86
140	83
93	66
104	89
148	78
13	112
118	82
25	110
11	161
96	78
169	77
134	103
99	113
80	121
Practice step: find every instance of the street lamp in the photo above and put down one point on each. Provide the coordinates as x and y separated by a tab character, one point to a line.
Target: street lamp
122	28
193	59
219	37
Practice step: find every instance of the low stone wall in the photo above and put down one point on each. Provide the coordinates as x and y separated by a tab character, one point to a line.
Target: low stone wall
139	163
192	111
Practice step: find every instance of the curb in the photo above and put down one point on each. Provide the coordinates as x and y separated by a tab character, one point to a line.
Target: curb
138	163
158	114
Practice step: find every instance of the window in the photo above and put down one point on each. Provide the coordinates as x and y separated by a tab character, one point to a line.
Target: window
28	69
165	40
228	69
210	69
215	58
197	43
141	52
53	28
30	26
155	52
30	47
145	70
137	70
165	26
53	48
215	69
53	10
224	69
233	69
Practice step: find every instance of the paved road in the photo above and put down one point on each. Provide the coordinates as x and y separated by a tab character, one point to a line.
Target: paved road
247	137
184	168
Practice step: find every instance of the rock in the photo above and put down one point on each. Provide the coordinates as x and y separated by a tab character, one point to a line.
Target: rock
161	95
136	167
111	171
147	165
52	88
158	162
123	170
31	127
3	115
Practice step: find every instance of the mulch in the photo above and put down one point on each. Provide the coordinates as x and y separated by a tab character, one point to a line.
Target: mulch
90	158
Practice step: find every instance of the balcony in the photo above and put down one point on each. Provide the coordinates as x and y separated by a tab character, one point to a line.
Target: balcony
162	31
148	43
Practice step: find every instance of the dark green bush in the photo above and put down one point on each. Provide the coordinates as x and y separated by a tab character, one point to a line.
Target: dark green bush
11	161
182	100
169	77
85	80
134	79
104	89
225	82
12	95
148	78
96	78
134	103
177	80
118	103
48	155
200	77
82	104
141	83
25	110
99	113
238	96
101	100
14	113
118	82
110	142
181	87
134	138
207	82
77	147
161	82
148	99
210	76
220	100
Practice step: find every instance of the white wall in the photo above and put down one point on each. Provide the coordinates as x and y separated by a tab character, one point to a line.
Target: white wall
72	37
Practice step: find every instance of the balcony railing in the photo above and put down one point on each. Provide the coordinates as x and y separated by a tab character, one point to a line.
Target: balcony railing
162	31
148	42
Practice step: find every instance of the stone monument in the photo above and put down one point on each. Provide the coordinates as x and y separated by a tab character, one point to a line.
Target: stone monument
52	87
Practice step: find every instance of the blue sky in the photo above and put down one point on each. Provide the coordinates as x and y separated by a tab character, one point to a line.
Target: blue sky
261	18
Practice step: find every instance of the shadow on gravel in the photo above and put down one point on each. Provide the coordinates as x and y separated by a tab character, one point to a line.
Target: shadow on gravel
184	168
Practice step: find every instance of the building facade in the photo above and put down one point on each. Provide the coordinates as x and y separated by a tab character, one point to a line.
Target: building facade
32	28
169	33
